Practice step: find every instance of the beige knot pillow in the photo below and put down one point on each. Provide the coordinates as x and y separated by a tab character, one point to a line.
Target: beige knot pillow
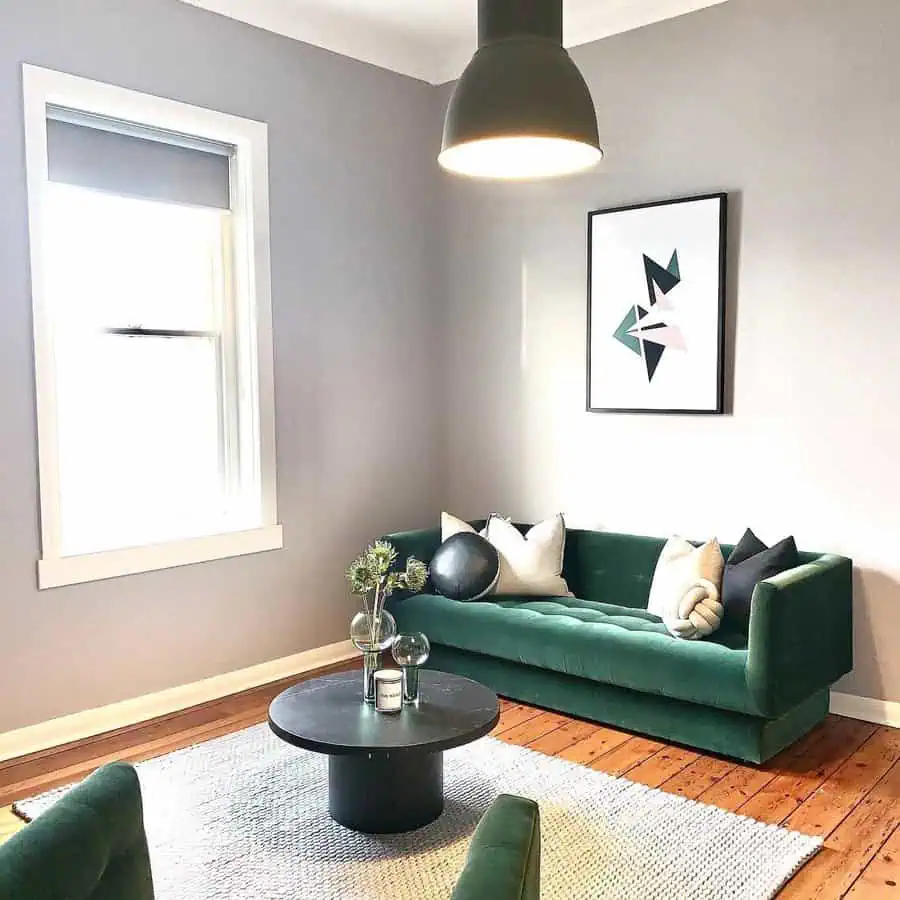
686	588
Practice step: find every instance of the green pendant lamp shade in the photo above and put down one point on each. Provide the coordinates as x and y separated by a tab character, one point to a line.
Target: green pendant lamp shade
521	109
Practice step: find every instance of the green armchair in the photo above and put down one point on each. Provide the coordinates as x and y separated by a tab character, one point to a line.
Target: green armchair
505	854
91	846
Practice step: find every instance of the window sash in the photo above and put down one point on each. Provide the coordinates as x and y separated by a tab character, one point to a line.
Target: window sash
236	483
129	440
227	390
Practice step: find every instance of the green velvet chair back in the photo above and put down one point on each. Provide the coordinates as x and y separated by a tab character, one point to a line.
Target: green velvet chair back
504	861
88	846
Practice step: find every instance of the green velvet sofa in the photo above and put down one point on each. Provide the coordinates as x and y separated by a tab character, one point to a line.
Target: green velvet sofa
602	656
91	845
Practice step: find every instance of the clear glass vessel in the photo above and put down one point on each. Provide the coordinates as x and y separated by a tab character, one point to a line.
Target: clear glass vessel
372	638
411	651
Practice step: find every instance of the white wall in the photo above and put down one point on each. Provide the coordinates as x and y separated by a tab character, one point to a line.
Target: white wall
794	109
352	206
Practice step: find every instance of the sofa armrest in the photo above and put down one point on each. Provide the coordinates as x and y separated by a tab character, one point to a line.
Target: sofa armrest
504	861
801	633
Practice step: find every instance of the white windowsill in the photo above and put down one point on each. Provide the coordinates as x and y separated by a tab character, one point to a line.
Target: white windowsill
115	563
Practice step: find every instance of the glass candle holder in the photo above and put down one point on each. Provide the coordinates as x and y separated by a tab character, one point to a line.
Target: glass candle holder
362	632
410	651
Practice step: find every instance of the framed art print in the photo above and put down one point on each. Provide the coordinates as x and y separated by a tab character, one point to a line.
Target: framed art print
656	307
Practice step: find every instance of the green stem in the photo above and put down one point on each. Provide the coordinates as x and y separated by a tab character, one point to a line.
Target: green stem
375	618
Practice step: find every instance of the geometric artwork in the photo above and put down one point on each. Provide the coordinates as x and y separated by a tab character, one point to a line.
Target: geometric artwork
656	277
649	338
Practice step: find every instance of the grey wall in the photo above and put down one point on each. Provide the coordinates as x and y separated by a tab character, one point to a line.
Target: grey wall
794	108
352	202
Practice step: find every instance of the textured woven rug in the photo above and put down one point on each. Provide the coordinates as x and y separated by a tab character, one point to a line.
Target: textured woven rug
245	817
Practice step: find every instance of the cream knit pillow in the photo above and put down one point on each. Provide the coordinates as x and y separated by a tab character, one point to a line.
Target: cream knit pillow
686	587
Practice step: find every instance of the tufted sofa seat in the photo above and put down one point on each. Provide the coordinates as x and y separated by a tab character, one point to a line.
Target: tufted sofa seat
602	656
588	639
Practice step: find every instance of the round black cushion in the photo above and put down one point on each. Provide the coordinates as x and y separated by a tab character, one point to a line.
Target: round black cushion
465	567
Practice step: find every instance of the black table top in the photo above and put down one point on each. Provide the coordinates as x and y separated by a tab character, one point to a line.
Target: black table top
328	715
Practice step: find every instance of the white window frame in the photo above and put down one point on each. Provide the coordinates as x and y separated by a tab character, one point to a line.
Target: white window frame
252	284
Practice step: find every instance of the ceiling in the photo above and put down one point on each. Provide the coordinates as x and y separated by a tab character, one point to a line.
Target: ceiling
428	39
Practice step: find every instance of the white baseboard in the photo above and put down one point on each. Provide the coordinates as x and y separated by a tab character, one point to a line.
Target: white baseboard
881	712
91	722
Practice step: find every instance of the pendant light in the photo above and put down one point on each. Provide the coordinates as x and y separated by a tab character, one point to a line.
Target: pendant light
521	109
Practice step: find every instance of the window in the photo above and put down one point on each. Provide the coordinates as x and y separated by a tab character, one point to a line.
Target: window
152	329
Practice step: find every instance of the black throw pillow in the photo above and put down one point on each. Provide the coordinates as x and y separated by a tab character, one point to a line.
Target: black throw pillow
750	562
465	567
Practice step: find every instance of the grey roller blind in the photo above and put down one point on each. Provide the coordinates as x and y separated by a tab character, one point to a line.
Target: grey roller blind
134	161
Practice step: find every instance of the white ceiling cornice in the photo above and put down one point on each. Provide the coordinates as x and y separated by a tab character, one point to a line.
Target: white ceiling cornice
339	33
434	60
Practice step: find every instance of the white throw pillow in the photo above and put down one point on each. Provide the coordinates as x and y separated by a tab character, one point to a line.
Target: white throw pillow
683	570
530	564
450	525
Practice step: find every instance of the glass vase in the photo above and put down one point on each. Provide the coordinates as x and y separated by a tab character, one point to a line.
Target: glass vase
372	637
371	664
411	651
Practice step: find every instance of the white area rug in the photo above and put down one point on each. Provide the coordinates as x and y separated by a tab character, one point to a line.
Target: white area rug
245	817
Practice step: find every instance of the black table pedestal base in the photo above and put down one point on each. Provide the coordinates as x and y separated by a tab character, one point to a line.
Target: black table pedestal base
385	793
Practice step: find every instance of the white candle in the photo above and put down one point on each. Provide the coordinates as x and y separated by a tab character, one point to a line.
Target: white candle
388	690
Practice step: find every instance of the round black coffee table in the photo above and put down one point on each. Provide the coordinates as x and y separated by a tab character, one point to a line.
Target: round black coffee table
385	772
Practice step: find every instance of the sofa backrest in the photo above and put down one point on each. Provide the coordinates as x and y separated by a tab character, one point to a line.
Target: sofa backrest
598	565
618	568
609	567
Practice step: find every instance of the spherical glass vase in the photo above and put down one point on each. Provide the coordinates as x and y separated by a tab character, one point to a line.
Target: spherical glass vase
372	641
362	632
411	651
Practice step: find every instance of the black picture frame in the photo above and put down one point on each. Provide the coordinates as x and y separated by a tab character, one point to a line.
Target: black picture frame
721	253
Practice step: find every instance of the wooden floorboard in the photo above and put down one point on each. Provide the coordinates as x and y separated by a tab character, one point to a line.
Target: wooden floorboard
853	845
599	742
662	766
841	782
698	777
553	743
742	782
627	756
532	729
512	715
821	813
880	880
785	793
